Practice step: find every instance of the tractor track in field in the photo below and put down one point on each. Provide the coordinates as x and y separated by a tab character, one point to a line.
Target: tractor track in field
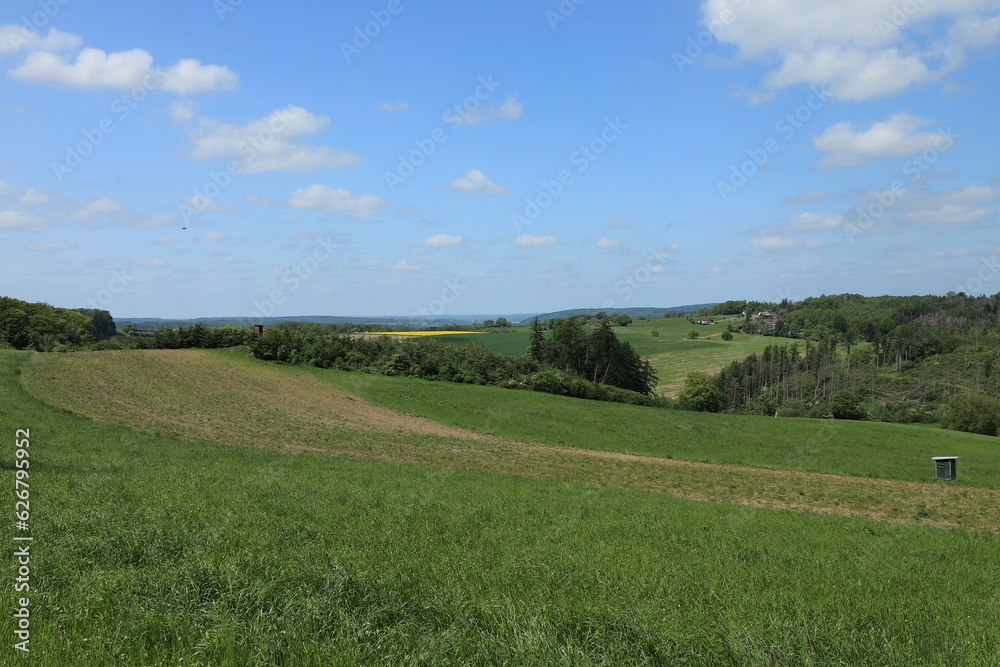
201	396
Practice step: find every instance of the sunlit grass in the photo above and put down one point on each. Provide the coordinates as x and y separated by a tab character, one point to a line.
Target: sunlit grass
159	550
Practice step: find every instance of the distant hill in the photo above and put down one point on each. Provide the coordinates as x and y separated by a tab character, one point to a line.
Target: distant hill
391	320
651	313
404	320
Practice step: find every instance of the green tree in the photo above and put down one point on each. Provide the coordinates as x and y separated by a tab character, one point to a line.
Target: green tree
846	405
700	393
973	413
621	320
692	335
536	348
727	335
16	327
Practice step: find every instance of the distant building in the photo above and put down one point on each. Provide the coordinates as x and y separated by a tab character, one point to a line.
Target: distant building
704	320
258	329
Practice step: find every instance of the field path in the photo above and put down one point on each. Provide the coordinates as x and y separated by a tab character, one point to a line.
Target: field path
201	396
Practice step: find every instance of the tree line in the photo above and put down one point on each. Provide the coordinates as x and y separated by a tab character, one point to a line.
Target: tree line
45	328
933	359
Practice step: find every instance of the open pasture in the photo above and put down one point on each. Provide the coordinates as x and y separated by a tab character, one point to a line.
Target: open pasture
178	525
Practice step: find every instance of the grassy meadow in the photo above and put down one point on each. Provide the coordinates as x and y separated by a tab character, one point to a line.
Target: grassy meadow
215	510
672	354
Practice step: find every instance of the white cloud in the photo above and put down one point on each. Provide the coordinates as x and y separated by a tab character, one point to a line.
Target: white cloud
201	204
154	263
212	237
475	182
895	137
404	265
951	214
393	106
972	194
6	189
272	143
150	221
190	77
608	243
619	223
14	38
33	198
810	196
438	241
511	109
96	208
50	247
852	74
367	264
531	241
93	68
182	112
123	70
961	252
773	243
260	200
21	221
856	49
165	239
811	222
323	198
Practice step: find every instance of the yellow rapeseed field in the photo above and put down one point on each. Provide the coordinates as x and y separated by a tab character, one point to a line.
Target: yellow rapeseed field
419	333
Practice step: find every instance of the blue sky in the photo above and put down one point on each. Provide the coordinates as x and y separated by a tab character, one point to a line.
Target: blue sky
217	157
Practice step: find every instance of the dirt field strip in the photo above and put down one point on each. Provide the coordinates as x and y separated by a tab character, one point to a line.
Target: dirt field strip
198	396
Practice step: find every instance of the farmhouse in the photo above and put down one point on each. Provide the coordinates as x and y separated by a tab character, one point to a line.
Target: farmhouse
704	320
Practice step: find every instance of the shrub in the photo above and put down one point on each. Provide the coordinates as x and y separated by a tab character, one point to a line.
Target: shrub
726	335
973	413
845	405
700	394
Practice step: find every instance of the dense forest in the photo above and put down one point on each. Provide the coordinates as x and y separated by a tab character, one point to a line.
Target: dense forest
45	328
901	359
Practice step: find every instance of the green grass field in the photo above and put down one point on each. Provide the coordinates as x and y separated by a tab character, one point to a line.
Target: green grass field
672	354
514	341
864	449
157	549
